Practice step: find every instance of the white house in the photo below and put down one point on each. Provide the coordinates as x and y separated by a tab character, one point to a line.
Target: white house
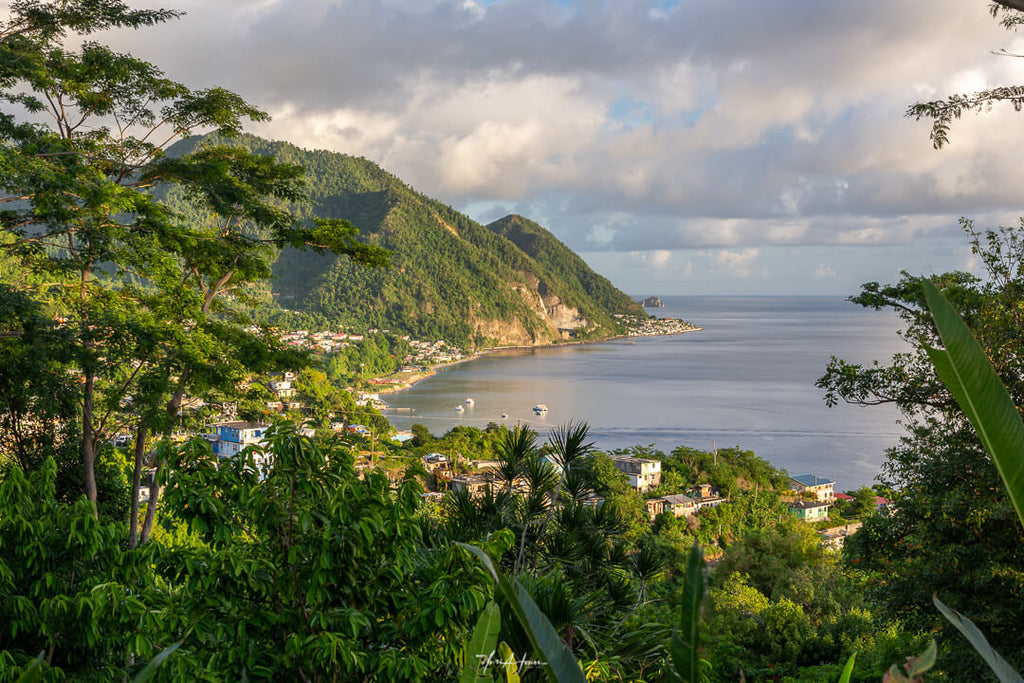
643	474
823	490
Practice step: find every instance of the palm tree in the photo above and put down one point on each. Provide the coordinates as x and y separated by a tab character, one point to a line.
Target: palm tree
514	448
569	445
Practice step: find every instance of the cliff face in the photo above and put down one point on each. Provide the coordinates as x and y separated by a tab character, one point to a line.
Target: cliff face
548	251
450	278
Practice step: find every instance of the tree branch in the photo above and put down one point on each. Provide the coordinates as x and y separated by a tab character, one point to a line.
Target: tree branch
1012	4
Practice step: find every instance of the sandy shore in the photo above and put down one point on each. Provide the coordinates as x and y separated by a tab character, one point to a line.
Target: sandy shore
404	380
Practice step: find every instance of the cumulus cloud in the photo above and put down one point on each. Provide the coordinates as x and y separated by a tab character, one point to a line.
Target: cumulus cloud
631	126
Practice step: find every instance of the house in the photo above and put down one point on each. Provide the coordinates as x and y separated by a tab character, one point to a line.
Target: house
643	474
810	511
474	484
706	496
835	537
655	506
680	505
282	388
811	485
232	437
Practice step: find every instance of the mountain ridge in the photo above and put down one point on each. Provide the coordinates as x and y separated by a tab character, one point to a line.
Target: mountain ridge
451	277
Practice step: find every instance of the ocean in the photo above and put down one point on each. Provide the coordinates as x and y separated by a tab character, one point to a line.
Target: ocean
747	380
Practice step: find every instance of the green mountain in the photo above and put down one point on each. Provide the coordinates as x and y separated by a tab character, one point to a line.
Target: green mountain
564	263
450	277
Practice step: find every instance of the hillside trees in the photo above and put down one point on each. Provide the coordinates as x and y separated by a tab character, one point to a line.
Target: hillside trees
954	531
140	289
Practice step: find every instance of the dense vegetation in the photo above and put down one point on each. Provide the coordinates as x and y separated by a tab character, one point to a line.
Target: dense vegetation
323	561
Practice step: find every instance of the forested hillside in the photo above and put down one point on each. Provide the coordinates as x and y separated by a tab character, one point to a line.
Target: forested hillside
547	250
450	277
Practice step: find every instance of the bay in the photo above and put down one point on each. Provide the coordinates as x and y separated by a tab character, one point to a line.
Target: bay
747	380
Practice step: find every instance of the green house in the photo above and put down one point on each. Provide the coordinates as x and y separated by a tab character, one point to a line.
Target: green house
810	510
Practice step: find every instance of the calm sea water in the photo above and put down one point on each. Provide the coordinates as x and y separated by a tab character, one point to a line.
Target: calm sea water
746	380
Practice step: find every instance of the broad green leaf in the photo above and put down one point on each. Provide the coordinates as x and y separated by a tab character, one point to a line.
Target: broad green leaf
848	669
972	380
561	665
154	664
685	644
482	645
1003	671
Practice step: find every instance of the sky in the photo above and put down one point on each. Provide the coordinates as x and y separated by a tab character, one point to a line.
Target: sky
681	147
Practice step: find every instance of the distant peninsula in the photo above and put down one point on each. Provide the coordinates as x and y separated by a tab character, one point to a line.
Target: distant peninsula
652	302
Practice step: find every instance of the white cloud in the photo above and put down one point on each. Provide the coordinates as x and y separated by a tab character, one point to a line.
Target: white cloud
756	124
821	272
742	264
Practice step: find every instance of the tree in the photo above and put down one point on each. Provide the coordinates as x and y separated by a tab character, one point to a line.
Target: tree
943	112
138	285
311	573
954	532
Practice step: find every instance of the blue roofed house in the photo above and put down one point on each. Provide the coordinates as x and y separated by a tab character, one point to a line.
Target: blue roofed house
813	486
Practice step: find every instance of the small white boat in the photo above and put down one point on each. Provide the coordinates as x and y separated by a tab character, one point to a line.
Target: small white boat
459	409
540	409
469	401
504	416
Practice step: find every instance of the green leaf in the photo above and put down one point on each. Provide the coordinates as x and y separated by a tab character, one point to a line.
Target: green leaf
1003	671
34	671
848	669
973	381
482	645
924	662
154	664
685	644
560	664
509	661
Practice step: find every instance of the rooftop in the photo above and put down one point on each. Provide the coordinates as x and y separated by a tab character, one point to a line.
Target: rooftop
629	458
807	504
810	480
241	425
679	499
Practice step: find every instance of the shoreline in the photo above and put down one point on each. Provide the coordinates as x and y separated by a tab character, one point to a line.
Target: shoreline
434	369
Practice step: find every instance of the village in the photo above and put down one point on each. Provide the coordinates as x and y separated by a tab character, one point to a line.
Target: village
809	500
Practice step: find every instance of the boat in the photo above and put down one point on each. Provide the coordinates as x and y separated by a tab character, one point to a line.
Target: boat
469	401
540	409
459	409
504	416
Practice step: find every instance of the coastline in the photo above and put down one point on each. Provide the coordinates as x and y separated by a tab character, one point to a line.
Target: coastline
416	378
